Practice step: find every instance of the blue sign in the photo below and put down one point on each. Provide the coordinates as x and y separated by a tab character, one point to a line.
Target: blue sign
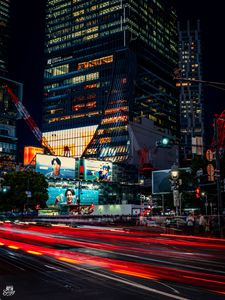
55	166
62	196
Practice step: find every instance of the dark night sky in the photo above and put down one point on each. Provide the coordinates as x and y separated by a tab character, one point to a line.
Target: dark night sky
26	64
28	42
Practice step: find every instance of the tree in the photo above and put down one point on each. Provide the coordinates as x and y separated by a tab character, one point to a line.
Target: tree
26	189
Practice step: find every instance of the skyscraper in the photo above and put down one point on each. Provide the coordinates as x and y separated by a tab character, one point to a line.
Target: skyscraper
8	113
107	63
191	92
4	35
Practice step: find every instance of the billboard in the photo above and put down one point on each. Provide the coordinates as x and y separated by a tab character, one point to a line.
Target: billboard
96	170
29	155
62	196
55	166
161	181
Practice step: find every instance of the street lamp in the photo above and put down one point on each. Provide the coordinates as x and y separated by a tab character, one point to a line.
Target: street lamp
174	173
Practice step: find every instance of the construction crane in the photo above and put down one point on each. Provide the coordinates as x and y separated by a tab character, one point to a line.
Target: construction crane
29	120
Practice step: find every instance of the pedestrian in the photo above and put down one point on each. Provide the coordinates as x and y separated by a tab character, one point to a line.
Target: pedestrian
207	227
167	225
190	222
202	224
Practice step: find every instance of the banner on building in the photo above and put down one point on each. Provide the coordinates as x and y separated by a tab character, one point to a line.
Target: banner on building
29	155
95	170
56	167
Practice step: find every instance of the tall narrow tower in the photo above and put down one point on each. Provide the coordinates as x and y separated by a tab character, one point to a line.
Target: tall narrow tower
191	92
4	35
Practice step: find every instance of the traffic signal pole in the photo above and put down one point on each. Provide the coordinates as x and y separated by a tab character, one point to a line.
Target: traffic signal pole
218	181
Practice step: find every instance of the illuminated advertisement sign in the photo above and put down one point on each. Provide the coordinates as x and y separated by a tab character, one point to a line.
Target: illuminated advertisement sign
76	139
161	181
55	166
29	155
61	196
96	170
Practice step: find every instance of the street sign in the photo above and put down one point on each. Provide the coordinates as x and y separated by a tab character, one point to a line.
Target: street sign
209	155
176	198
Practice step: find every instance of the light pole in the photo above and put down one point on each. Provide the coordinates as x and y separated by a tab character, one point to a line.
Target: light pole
174	173
218	180
204	196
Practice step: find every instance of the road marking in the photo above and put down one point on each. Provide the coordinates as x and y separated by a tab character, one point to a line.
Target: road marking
54	268
134	284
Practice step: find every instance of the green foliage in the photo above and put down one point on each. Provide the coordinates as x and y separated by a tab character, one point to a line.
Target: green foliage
19	183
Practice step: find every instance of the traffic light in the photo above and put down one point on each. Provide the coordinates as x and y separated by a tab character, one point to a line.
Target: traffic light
5	189
164	142
197	192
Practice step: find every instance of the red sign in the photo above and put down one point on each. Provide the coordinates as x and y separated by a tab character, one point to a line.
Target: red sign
210	170
30	152
209	155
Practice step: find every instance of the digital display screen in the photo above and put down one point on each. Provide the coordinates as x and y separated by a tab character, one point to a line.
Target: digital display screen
62	196
96	170
56	166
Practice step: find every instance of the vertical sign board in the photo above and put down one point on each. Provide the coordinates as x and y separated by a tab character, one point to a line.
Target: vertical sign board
210	168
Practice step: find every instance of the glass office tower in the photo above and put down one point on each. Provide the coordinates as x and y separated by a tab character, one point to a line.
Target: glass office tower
107	63
4	35
8	113
191	92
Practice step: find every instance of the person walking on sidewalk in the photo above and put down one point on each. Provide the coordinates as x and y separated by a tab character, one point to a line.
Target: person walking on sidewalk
190	222
202	224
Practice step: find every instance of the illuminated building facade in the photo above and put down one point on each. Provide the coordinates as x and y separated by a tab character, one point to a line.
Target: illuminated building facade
8	113
107	63
191	93
4	35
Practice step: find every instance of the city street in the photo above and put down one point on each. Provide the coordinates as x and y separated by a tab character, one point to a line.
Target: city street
108	263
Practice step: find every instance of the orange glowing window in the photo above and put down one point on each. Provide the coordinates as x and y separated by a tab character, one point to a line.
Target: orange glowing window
116	110
78	107
95	62
91	104
105	140
91	86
